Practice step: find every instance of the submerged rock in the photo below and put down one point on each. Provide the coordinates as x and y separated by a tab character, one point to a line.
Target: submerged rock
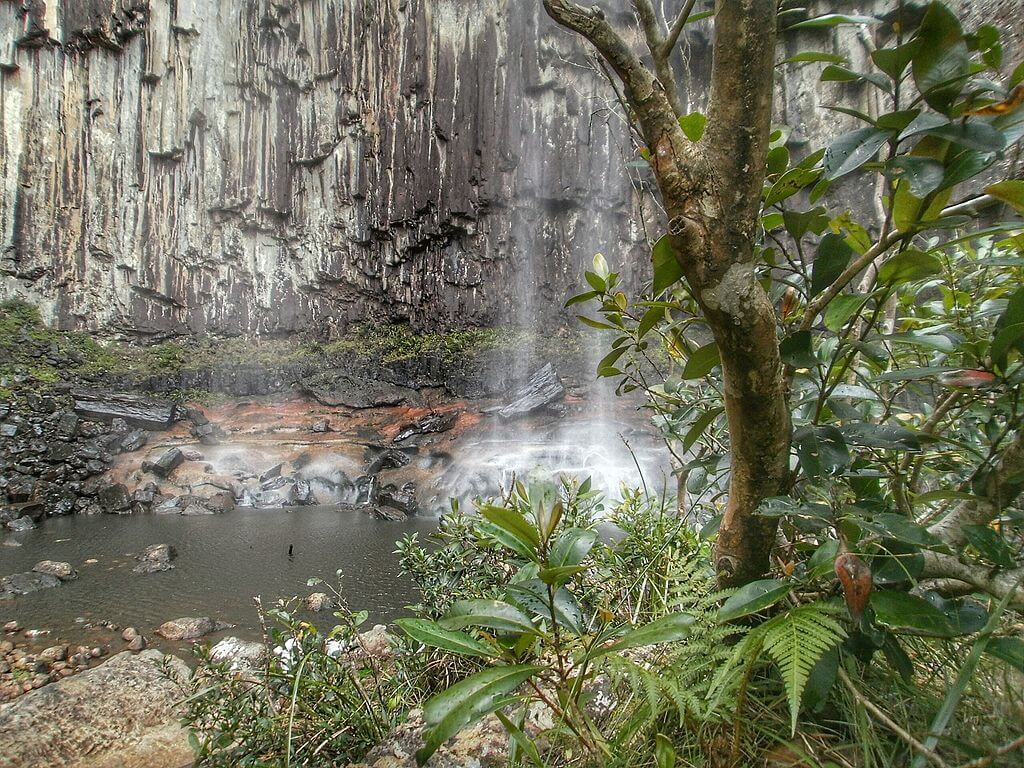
318	601
25	583
154	559
62	571
543	390
123	712
190	628
20	524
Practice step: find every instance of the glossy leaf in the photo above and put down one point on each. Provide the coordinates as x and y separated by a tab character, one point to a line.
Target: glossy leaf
833	257
434	635
902	611
990	544
753	598
1008	649
693	125
941	61
851	150
1011	192
515	531
791	182
667	270
571	547
492	614
467	701
667	629
701	362
908	265
822	450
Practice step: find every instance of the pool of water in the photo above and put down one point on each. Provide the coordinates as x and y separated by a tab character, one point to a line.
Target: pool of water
223	561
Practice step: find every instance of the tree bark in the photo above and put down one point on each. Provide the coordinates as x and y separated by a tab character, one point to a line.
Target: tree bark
712	196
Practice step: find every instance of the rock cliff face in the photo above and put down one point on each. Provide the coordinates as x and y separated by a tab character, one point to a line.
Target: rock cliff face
258	167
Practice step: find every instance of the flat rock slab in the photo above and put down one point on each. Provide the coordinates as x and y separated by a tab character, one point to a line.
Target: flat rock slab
136	410
120	714
338	388
190	628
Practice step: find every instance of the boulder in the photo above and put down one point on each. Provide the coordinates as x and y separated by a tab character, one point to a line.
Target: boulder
322	426
114	499
134	440
431	423
62	571
337	387
402	499
543	390
20	524
318	602
190	628
239	654
25	583
136	410
387	458
123	713
367	489
168	461
154	559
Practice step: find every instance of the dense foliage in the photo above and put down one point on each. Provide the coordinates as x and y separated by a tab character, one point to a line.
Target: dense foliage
888	631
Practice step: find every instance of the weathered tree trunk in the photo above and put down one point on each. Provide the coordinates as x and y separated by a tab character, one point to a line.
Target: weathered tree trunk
712	192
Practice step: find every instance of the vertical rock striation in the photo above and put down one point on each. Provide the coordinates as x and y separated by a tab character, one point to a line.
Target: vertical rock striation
248	166
257	167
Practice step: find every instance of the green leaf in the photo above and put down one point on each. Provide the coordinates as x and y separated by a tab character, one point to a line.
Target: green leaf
667	629
1009	337
571	547
791	182
886	436
833	257
693	125
667	270
467	701
533	596
697	428
493	614
1011	192
900	528
1008	649
973	135
796	350
753	598
651	318
559	575
701	362
990	544
835	74
923	175
942	60
664	752
800	223
851	150
796	641
901	611
515	531
893	61
909	265
521	741
821	450
778	160
841	309
434	635
834	20
581	298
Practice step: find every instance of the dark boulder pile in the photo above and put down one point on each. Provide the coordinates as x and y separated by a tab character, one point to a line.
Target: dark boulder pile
55	447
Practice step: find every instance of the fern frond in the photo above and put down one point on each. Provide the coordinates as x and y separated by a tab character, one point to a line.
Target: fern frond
795	641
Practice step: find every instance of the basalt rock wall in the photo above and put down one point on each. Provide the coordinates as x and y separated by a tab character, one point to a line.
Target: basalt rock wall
183	167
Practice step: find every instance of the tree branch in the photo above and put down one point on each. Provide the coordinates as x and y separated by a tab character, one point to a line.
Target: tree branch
1002	486
740	111
669	44
655	36
999	584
